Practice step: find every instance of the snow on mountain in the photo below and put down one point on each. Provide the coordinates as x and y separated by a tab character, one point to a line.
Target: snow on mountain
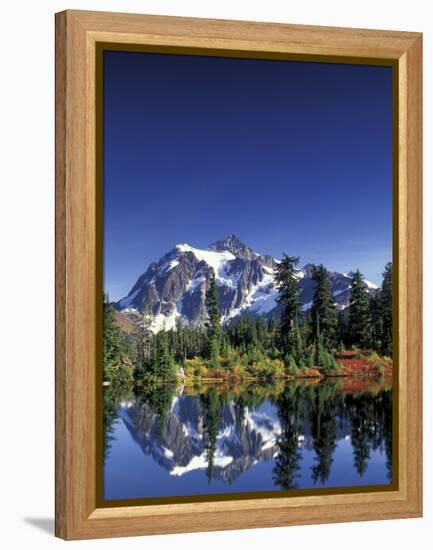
244	436
201	462
218	261
173	290
370	285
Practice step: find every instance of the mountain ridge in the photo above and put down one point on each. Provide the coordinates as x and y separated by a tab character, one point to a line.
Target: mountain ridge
173	289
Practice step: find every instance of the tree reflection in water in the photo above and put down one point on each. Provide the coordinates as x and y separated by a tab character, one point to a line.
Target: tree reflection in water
223	431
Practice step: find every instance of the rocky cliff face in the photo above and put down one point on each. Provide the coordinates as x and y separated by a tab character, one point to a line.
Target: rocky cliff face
173	290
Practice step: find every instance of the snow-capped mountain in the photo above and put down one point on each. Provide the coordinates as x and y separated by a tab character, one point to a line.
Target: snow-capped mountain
179	441
180	445
173	290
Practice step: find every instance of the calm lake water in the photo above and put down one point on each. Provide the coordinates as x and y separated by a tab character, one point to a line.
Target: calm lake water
220	439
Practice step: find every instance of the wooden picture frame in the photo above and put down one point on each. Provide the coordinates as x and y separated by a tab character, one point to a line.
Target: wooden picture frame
78	279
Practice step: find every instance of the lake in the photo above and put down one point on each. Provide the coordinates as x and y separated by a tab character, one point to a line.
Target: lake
210	439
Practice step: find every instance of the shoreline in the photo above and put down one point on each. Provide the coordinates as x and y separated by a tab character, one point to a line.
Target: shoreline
230	379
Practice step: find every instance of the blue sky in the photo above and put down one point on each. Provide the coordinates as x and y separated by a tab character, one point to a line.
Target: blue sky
290	156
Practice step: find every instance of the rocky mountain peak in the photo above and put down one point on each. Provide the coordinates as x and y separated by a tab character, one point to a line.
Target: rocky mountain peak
307	270
173	289
233	244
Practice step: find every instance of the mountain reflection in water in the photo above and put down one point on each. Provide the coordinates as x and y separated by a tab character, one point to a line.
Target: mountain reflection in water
170	441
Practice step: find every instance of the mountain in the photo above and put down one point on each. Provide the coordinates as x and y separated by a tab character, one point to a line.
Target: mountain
245	436
180	445
173	290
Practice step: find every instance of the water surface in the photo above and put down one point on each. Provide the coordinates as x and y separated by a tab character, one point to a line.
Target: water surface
170	441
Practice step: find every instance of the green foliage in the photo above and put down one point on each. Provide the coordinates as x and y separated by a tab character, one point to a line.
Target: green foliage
253	355
111	401
288	290
287	468
162	364
116	363
367	322
310	357
379	362
360	325
255	347
213	345
376	321
296	344
324	435
326	361
341	334
211	405
341	347
386	311
143	346
290	364
323	313
302	366
324	358
158	397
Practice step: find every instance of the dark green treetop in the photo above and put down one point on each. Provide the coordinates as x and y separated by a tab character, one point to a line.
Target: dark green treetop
214	321
163	364
287	285
386	310
323	312
359	329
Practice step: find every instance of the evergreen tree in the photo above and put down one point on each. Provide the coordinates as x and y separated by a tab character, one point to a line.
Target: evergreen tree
225	345
143	345
324	434
261	328
288	289
323	312
361	436
163	364
386	307
376	321
116	368
359	329
213	325
211	406
287	468
272	335
111	405
342	327
154	400
290	364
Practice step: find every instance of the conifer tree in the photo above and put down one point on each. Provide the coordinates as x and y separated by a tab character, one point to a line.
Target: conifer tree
376	321
143	345
214	319
362	431
324	435
115	348
287	466
211	405
288	289
261	330
386	310
163	362
359	329
323	312
342	323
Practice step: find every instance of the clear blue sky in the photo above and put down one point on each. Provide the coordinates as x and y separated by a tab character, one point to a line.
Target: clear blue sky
292	157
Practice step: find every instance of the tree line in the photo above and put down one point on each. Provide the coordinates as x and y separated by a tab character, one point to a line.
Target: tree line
316	411
295	340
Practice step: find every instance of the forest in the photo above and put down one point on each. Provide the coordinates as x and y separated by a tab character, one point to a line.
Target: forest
320	342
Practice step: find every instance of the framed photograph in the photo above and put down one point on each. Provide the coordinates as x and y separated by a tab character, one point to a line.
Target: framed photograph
238	274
